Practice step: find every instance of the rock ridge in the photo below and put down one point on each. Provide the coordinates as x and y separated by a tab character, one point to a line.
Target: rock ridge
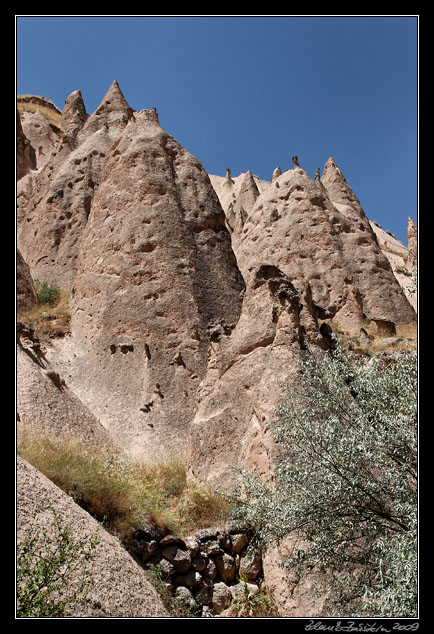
317	232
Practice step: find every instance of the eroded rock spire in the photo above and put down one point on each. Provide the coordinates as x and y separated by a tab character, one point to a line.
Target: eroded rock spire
277	172
74	114
412	237
113	111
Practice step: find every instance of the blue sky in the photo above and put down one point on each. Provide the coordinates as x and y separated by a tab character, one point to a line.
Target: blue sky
248	92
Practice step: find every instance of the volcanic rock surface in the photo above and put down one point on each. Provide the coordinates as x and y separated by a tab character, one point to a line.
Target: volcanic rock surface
403	260
26	157
150	267
26	294
191	295
317	232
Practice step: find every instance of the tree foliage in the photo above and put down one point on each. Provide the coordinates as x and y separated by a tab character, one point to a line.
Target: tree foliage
52	570
347	479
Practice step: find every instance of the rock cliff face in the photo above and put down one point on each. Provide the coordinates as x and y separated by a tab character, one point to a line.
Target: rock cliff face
155	269
403	260
317	233
26	295
259	357
45	402
54	202
132	225
191	296
26	158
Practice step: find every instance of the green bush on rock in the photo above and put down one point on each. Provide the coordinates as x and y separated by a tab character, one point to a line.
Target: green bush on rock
52	571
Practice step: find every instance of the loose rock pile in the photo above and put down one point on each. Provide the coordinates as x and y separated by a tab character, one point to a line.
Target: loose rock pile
203	570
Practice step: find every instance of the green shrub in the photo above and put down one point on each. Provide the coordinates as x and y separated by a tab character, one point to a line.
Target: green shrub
52	571
48	293
347	480
259	605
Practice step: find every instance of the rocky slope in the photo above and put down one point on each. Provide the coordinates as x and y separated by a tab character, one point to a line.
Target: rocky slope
191	295
403	260
39	503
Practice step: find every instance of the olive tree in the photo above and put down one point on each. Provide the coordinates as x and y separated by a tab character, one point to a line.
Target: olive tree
346	480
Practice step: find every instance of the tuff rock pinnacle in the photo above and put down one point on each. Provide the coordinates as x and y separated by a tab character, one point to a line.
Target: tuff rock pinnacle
74	114
26	158
412	237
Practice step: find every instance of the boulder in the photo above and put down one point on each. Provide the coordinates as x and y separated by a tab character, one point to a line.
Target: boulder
184	595
199	563
241	590
251	564
166	568
239	542
226	567
210	571
170	539
221	597
180	559
192	579
193	545
211	548
119	586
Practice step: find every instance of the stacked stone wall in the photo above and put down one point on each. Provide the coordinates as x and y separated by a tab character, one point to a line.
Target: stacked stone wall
207	570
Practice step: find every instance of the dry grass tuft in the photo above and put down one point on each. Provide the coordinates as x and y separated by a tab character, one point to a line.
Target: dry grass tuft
373	343
121	492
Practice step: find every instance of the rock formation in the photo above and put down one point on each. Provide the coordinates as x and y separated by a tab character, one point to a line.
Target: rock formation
26	158
140	237
26	295
191	296
317	232
412	238
259	357
277	172
41	136
228	190
74	115
54	205
45	403
158	260
236	213
127	219
402	262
